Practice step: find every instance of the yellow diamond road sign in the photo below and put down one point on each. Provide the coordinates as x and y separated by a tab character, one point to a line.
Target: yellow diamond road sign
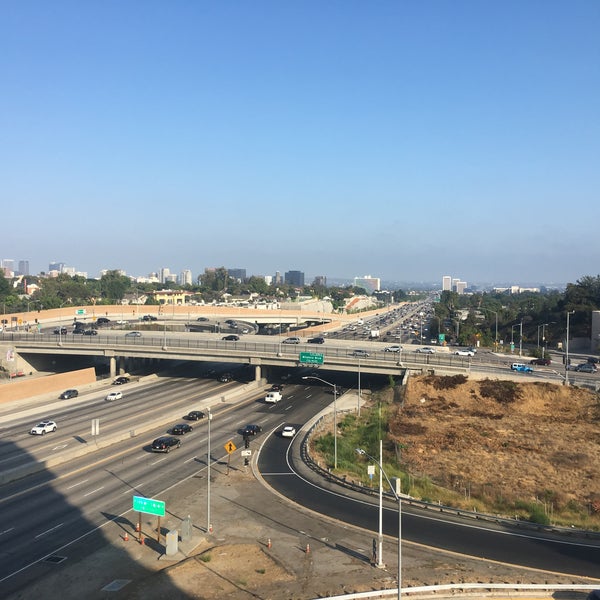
229	447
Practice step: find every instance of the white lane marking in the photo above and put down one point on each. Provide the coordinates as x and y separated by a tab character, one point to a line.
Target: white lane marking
48	531
6	531
133	487
190	459
93	492
161	460
60	447
78	483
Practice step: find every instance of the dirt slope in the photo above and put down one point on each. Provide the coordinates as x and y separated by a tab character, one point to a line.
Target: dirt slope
535	441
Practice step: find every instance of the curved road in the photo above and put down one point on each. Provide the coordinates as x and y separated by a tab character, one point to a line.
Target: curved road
282	469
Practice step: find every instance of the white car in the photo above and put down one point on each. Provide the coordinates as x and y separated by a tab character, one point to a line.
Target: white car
133	334
288	431
426	350
393	349
114	396
43	428
464	353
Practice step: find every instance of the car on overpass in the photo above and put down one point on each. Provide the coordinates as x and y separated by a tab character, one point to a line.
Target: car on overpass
291	340
464	352
67	394
394	348
425	350
231	338
360	353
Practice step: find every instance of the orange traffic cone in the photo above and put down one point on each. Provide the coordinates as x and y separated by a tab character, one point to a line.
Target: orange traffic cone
142	540
126	537
307	548
137	526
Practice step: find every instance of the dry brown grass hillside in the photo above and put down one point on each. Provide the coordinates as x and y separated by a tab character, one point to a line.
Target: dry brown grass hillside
504	440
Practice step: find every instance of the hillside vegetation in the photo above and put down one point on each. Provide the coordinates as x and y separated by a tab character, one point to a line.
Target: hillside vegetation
507	443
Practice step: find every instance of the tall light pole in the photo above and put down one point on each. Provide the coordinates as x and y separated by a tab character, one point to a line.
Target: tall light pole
359	393
496	338
397	495
512	337
569	313
208	461
521	340
334	414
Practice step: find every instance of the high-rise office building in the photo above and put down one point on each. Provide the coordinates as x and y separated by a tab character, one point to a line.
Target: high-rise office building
368	283
320	281
446	283
185	277
56	266
23	267
165	272
238	274
294	278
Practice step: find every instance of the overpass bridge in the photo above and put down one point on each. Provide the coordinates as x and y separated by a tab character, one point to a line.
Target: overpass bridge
260	352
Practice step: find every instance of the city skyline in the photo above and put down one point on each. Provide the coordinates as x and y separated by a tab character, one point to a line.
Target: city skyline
404	139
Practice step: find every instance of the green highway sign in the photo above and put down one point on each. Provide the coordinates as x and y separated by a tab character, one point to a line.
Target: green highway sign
149	506
311	358
80	311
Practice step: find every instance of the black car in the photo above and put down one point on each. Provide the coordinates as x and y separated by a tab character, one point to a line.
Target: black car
149	318
69	394
165	444
251	430
277	387
60	330
231	338
225	377
195	415
102	321
316	340
78	331
120	380
90	332
202	319
181	429
593	359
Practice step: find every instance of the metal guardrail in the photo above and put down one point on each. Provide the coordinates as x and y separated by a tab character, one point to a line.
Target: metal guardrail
441	508
467	588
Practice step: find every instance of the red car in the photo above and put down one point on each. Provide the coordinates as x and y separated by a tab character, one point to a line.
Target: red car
540	361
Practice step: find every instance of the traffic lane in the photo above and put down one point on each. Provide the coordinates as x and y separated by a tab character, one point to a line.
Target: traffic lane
502	545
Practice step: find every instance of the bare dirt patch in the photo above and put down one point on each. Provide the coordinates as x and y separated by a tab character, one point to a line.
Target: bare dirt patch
537	442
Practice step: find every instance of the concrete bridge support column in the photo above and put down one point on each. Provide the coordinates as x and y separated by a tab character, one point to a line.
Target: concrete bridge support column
257	373
113	366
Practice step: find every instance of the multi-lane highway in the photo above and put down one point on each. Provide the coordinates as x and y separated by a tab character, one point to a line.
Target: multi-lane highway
46	513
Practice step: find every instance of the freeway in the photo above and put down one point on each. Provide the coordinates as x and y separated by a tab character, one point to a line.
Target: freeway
51	512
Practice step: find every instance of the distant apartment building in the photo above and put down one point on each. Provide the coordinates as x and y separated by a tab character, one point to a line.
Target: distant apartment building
320	281
237	274
277	279
294	278
446	283
185	277
368	283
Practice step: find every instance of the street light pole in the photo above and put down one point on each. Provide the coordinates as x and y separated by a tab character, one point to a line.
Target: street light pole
521	340
397	496
569	312
334	414
208	523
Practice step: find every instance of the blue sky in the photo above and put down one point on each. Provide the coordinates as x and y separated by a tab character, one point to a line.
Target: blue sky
406	140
